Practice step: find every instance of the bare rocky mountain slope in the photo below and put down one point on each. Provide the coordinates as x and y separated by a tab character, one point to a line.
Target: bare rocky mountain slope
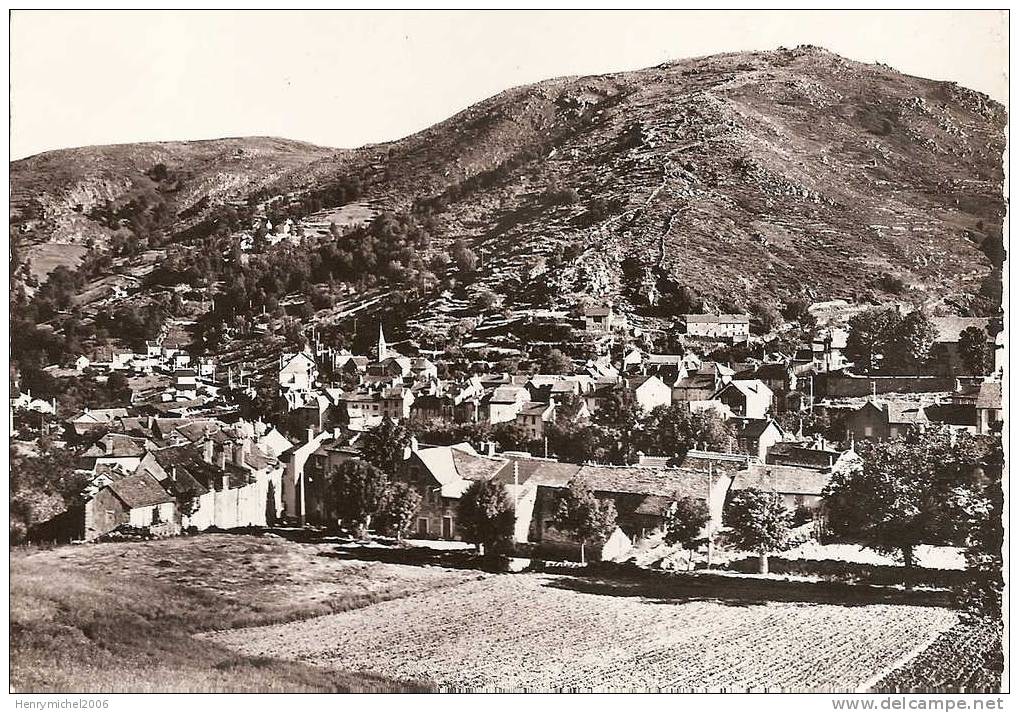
740	176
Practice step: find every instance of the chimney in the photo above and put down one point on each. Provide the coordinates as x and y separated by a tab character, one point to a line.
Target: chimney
223	457
207	451
311	434
225	482
490	448
238	454
173	473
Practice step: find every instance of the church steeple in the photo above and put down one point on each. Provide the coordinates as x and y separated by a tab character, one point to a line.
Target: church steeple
383	348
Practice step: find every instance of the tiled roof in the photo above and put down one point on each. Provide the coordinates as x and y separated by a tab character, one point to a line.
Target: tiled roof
785	479
904	412
140	490
655	505
116	445
796	454
471	466
672	482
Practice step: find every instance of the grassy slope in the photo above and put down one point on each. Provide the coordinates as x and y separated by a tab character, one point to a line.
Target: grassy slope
119	617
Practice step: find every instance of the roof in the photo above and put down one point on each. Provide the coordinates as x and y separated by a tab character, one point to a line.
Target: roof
701	382
140	490
538	471
799	454
671	482
989	395
716	318
904	412
635	382
949	328
508	394
755	427
291	359
714	461
598	311
275	441
534	408
783	479
116	445
454	467
101	415
748	387
655	505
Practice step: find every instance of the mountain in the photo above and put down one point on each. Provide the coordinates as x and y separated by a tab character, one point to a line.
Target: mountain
719	181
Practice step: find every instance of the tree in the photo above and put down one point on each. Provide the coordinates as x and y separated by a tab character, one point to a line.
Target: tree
973	350
674	430
759	522
766	315
684	524
465	258
619	421
902	493
511	436
871	333
914	338
485	515
580	512
358	492
575	442
41	487
385	445
401	504
555	362
798	310
484	298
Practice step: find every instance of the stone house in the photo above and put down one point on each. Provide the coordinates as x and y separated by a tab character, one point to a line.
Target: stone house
731	327
882	420
137	500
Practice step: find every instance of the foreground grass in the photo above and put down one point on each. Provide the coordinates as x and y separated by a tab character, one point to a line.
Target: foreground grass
120	617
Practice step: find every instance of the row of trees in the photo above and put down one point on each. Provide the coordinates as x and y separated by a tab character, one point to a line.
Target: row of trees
885	339
621	430
928	488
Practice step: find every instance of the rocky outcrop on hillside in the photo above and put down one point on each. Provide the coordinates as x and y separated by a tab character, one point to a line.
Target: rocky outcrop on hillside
738	177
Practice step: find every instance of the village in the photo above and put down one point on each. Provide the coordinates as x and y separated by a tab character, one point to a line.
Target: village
181	458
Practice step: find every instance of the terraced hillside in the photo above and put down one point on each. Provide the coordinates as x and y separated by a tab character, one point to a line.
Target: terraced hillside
738	176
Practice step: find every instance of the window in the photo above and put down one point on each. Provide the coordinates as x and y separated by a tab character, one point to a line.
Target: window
422	525
155	515
868	431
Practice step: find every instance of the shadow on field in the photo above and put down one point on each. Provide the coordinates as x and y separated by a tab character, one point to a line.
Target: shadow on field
744	591
417	557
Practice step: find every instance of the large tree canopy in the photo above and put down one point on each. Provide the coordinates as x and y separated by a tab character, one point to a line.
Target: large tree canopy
906	492
485	514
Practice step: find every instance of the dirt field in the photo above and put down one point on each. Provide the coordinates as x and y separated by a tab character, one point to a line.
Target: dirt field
547	632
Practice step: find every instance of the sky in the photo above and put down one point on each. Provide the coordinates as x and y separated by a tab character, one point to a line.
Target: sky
344	79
